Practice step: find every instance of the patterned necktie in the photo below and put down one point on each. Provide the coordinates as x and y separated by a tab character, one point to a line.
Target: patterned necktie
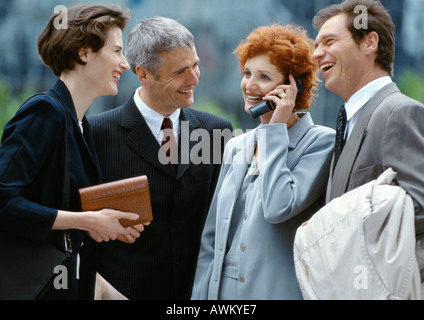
340	130
171	151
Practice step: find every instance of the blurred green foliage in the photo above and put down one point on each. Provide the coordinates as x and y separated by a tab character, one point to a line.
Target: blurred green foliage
411	84
9	103
215	108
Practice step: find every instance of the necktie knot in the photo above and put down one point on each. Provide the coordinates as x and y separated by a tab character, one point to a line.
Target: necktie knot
166	124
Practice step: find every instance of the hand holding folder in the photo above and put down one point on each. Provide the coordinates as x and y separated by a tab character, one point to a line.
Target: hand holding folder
127	195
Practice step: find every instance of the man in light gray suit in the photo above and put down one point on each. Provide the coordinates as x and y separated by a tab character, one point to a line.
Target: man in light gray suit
355	52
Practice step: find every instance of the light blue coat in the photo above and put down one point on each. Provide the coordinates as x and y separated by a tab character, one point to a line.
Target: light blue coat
294	168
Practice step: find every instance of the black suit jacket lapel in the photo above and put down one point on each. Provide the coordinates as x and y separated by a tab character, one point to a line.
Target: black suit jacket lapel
141	138
188	123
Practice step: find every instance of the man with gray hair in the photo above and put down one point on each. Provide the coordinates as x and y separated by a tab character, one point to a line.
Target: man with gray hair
160	264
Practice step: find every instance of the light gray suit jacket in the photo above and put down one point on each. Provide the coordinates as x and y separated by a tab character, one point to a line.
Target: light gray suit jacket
293	174
389	133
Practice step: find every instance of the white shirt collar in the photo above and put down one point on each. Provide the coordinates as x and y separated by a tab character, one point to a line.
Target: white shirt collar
361	97
154	119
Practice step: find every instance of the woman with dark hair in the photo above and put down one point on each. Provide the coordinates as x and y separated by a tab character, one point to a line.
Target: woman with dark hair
87	57
271	178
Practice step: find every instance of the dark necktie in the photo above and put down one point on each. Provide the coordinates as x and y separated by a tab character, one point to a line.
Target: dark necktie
340	131
169	138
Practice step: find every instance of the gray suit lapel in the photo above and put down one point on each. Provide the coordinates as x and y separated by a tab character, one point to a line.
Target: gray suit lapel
242	158
343	170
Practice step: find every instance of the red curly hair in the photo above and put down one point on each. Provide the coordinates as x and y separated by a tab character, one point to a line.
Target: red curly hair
290	50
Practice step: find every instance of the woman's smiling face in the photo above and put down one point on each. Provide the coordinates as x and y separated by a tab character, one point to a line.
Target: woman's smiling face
105	68
260	77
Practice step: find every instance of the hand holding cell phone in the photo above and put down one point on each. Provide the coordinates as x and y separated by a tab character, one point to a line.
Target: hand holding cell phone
269	105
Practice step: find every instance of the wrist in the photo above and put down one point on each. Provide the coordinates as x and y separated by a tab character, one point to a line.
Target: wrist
66	220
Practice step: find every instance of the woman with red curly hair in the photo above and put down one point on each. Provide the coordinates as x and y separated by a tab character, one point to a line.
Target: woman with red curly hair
272	178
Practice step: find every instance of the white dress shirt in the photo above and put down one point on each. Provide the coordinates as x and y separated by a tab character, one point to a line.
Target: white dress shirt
360	98
154	119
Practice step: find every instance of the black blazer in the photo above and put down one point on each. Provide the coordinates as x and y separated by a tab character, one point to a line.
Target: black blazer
32	157
161	263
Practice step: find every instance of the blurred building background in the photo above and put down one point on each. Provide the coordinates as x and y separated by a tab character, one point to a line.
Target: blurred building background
219	26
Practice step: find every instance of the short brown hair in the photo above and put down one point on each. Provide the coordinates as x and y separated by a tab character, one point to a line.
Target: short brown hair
290	50
87	26
379	21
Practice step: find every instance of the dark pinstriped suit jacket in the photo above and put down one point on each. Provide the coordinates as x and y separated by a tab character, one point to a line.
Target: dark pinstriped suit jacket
161	263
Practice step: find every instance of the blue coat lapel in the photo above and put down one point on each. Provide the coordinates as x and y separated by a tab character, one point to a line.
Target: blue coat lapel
62	94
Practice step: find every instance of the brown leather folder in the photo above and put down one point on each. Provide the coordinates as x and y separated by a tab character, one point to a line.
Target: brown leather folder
128	195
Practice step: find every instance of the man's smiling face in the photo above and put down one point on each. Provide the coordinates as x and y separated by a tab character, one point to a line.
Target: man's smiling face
339	57
173	87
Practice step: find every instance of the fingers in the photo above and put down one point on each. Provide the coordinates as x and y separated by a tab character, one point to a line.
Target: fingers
132	235
292	81
284	97
138	227
126	215
99	237
108	226
285	91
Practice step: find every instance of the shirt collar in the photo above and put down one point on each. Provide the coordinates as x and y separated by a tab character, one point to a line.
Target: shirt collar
154	119
361	97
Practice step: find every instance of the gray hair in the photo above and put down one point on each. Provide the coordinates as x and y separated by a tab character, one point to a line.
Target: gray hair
153	36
